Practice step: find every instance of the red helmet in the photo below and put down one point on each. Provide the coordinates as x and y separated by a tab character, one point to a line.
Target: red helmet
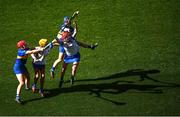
65	34
21	44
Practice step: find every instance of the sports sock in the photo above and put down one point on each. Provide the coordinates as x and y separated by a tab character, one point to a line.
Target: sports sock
33	85
26	87
17	96
41	90
72	77
53	68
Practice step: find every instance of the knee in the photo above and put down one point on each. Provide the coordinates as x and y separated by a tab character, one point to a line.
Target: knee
21	83
63	69
42	75
59	60
74	67
36	75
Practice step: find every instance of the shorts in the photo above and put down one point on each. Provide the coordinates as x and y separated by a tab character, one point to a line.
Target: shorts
72	59
20	69
61	49
38	66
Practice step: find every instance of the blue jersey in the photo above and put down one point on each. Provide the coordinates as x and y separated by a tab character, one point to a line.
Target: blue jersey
21	56
19	66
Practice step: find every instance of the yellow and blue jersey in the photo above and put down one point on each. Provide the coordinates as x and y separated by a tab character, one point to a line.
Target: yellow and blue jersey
19	66
21	56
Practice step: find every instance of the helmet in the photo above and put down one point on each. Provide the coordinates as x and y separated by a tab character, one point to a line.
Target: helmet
65	34
66	20
42	42
21	44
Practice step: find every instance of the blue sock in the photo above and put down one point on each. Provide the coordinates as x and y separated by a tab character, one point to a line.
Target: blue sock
34	85
17	96
53	68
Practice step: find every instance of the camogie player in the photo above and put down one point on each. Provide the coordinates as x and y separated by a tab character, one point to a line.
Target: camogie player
71	54
20	69
72	31
39	65
66	26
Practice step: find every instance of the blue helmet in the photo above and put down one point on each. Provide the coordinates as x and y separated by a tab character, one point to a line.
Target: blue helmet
66	18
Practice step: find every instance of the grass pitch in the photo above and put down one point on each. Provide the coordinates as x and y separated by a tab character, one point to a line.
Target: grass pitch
134	71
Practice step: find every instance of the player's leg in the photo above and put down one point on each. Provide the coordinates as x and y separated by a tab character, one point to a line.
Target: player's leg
57	61
20	78
42	71
27	79
36	77
73	72
64	67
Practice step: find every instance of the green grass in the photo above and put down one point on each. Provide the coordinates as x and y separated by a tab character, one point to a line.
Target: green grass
132	34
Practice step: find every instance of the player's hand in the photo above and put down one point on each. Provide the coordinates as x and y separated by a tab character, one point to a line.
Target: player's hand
76	12
93	46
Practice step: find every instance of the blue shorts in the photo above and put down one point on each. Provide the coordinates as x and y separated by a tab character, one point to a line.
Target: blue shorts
72	59
61	49
20	69
39	67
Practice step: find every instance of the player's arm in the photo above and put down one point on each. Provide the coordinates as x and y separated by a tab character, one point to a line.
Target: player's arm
33	56
75	29
55	42
34	51
92	46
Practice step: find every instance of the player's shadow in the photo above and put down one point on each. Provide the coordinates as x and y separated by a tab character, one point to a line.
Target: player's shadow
115	87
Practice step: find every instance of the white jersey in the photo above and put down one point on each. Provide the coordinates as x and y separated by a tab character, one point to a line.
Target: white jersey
71	48
59	35
39	58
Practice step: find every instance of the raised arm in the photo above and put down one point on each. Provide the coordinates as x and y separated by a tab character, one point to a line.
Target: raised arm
75	29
